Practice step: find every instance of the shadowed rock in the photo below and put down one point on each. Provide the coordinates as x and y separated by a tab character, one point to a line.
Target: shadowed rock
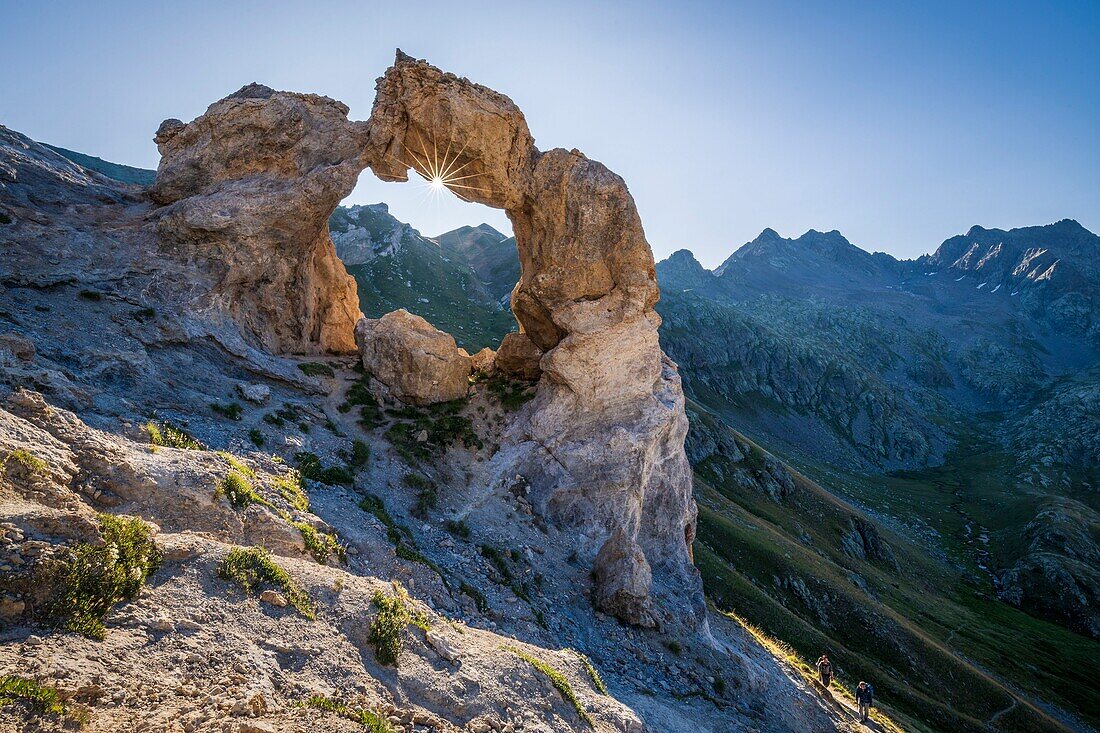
247	190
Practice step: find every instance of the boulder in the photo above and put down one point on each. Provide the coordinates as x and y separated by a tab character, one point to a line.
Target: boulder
622	581
417	362
483	361
247	189
518	357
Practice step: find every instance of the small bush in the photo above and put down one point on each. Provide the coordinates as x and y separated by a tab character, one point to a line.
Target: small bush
5	219
498	561
164	434
459	528
256	437
719	685
360	454
373	722
253	568
38	700
90	295
310	467
231	411
558	680
509	393
28	463
427	496
387	631
479	598
95	577
240	492
593	673
674	647
290	488
316	369
359	395
321	545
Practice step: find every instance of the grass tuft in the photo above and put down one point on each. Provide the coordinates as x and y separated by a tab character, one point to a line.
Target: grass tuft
316	369
557	679
37	699
593	673
231	410
163	434
320	544
256	437
374	722
28	463
253	568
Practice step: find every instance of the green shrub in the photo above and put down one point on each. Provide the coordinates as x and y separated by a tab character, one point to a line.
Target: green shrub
427	497
593	673
479	598
674	647
360	454
256	437
558	680
310	466
38	700
28	463
387	631
164	434
509	393
232	410
359	395
253	568
93	578
90	295
403	544
5	219
498	561
459	528
240	492
372	721
290	488
320	545
316	369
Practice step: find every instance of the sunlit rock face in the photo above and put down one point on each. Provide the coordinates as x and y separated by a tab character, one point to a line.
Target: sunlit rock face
602	443
247	190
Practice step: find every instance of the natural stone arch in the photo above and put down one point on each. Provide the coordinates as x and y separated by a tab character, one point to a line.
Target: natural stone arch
602	443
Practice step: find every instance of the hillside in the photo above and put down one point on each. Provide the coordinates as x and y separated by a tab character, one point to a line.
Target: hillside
224	508
889	573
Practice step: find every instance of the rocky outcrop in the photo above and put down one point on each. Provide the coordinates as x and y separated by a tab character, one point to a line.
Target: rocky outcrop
247	190
602	443
417	362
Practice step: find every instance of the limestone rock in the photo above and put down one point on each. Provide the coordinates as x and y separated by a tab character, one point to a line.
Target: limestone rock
20	347
273	598
602	442
623	580
418	363
248	188
518	357
257	394
483	361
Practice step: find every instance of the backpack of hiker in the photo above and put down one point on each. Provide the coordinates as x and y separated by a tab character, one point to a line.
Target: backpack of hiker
864	698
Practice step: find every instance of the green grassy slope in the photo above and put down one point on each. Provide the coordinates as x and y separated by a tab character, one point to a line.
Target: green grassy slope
942	653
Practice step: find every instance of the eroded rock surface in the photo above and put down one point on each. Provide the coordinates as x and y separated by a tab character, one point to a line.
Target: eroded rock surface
417	362
248	188
602	443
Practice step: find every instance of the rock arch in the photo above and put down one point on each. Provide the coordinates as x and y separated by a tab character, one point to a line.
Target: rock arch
602	443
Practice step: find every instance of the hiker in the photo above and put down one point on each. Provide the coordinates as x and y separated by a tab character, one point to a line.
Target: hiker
825	670
864	695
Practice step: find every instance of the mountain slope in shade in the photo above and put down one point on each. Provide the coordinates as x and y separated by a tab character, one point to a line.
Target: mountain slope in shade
395	267
492	256
117	171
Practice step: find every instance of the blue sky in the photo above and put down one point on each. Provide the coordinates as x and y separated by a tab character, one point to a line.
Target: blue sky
899	124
